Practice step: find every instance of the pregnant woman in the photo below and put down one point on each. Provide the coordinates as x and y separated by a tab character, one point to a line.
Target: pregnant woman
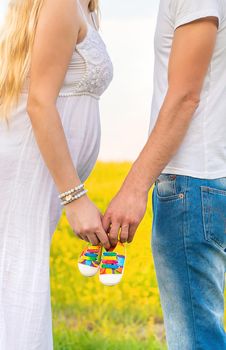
54	67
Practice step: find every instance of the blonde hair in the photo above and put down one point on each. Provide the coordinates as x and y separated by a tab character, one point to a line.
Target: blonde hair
16	41
93	5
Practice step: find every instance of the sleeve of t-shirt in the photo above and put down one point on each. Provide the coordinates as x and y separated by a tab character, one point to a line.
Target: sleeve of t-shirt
186	11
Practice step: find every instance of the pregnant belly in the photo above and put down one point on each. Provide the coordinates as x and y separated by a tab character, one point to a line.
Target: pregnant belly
81	121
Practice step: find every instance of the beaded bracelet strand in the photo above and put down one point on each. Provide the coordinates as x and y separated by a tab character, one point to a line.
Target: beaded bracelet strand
75	189
72	198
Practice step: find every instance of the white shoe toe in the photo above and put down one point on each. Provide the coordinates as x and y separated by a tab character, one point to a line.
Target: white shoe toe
110	279
87	271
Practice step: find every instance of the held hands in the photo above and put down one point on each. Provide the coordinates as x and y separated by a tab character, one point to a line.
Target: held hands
121	219
85	220
124	214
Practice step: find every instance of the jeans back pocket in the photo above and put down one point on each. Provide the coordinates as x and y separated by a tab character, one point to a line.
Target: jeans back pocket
214	215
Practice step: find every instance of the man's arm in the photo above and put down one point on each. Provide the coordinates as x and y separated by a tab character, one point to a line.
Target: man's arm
190	57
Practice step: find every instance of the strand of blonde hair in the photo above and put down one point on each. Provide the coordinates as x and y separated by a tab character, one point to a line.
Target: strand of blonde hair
16	41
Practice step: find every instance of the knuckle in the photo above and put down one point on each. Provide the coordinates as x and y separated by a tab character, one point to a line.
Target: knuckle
127	220
113	235
115	218
89	230
96	228
134	221
119	219
108	214
83	232
84	229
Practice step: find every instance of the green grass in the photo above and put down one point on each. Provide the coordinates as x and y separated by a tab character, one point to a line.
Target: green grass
67	340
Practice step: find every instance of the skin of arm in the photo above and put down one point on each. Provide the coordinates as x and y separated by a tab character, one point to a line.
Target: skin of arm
59	28
188	65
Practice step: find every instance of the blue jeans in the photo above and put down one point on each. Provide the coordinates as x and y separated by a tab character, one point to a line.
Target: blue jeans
189	249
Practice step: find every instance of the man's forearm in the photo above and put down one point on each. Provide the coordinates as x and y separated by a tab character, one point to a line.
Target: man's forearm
165	139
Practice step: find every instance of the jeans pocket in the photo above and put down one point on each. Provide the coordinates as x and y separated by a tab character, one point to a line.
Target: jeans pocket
214	215
166	188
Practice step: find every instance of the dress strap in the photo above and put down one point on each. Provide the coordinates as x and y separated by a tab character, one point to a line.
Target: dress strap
82	11
93	16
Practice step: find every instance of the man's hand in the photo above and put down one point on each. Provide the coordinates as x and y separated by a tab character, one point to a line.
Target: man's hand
125	213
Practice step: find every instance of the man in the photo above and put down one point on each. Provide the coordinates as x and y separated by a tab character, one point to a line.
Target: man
185	156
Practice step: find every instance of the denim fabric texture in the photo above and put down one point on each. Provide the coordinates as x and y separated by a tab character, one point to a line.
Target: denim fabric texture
189	249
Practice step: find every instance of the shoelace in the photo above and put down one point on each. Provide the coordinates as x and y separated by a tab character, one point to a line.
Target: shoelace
110	261
91	253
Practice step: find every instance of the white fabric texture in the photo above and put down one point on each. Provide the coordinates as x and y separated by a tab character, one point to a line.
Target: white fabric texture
30	207
202	153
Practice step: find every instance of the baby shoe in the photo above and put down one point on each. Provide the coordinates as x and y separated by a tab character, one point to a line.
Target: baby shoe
112	265
89	260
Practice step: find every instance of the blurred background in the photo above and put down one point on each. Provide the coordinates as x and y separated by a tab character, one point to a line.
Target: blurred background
128	29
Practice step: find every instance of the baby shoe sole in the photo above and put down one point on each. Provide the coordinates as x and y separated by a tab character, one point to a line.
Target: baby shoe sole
87	271
110	279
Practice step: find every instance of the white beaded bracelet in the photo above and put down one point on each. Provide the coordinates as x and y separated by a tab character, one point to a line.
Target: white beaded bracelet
76	189
72	198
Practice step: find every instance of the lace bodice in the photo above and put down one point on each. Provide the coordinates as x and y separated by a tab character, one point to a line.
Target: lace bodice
90	70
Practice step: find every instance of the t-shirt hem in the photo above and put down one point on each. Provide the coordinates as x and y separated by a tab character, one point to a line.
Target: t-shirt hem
197	174
198	15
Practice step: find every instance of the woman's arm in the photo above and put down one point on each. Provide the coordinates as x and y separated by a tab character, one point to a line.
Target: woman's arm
57	32
59	28
187	70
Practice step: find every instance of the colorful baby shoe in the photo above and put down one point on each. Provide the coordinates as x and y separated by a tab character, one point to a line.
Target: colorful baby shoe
112	265
89	260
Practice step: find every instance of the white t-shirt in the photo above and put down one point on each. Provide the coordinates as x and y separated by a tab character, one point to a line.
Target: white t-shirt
202	153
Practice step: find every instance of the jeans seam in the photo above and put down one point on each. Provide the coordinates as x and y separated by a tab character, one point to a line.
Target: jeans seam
185	224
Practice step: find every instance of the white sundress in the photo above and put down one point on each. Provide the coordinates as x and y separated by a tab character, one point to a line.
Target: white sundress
30	207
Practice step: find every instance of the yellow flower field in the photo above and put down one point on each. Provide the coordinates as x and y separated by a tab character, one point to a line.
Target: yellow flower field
90	316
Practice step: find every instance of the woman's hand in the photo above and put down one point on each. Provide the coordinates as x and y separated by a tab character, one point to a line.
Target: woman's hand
124	214
85	220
